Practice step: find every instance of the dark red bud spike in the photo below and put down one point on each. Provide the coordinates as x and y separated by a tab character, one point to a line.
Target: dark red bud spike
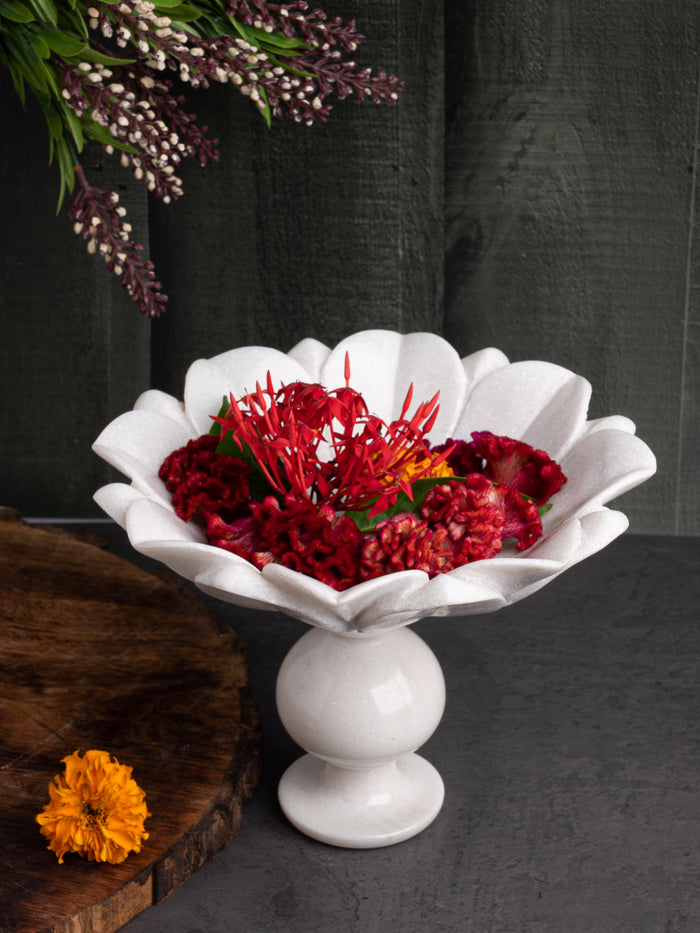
347	370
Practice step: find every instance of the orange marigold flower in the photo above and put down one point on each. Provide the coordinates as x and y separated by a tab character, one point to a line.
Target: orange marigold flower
96	809
423	467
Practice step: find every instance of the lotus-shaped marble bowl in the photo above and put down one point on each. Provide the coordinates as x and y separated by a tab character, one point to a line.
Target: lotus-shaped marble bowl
540	403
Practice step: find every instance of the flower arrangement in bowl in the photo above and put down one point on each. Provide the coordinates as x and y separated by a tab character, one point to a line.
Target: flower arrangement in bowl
312	483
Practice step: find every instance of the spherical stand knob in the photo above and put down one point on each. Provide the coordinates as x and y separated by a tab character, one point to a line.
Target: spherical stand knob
360	705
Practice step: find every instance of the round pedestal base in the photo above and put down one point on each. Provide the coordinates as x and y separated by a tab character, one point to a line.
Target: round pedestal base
365	808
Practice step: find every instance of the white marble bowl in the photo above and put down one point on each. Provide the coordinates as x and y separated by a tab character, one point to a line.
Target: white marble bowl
540	403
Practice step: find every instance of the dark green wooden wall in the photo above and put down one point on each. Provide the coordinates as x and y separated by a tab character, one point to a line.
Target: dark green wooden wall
535	189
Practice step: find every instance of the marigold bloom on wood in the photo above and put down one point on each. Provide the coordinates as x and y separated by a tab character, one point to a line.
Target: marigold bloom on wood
96	810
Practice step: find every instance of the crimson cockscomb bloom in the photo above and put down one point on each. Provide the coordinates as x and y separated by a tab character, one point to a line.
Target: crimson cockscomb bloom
299	535
505	460
205	483
518	465
473	522
404	542
183	462
521	519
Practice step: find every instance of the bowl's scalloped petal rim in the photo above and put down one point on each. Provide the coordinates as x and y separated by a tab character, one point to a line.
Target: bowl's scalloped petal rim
602	465
311	354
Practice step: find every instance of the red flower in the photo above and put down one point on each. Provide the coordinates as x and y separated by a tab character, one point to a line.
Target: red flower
461	457
192	458
474	523
364	458
205	483
300	535
505	460
521	520
404	542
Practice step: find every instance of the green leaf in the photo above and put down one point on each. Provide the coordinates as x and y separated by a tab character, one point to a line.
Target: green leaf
15	11
258	482
18	82
40	46
92	55
75	18
102	135
75	126
183	13
221	413
265	111
46	10
65	45
420	489
276	40
64	157
54	121
32	68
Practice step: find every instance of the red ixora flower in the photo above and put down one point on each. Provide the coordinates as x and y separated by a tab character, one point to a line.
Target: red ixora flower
299	535
325	446
505	460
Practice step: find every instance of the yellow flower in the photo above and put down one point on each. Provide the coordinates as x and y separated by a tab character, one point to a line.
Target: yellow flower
96	809
420	468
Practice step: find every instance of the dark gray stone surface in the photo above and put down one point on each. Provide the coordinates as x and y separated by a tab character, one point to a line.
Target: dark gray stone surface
570	751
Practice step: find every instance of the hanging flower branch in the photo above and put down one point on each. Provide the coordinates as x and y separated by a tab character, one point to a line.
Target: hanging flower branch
107	71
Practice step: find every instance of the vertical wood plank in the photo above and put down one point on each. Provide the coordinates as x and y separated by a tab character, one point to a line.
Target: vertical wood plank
687	512
311	231
569	151
73	351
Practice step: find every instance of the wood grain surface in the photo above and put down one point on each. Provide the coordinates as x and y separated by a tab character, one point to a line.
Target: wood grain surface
70	339
571	235
311	231
96	653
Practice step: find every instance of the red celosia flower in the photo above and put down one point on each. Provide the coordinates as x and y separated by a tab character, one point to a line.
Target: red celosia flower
473	522
505	460
192	458
300	535
461	457
404	542
521	519
518	465
325	446
205	483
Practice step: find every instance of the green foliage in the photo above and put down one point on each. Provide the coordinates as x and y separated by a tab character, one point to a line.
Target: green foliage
258	482
36	34
420	489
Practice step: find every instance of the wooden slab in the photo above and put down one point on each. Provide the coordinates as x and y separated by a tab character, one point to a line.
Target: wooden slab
96	653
